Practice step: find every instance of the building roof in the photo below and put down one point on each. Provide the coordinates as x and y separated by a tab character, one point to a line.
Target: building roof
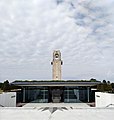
54	83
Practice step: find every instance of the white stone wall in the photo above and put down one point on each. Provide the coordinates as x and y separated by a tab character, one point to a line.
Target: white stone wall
57	62
103	99
8	99
57	70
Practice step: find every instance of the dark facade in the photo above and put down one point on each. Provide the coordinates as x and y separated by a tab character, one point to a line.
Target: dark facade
55	92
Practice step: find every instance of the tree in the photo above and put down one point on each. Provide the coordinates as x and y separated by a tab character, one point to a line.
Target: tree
104	81
108	82
5	86
93	80
112	84
104	86
1	85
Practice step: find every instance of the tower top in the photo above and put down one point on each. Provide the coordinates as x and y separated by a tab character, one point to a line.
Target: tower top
56	54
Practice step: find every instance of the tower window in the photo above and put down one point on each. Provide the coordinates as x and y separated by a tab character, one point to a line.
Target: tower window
56	55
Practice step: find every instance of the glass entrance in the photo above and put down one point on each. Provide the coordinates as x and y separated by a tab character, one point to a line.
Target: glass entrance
71	95
56	94
35	94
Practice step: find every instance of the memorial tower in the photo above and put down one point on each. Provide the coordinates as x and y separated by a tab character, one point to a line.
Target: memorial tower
57	62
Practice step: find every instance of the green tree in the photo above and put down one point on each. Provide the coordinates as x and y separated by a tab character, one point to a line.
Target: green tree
112	84
5	86
104	81
93	80
104	86
1	85
108	82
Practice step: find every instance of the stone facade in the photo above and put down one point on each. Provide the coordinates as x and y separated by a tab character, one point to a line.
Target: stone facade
57	62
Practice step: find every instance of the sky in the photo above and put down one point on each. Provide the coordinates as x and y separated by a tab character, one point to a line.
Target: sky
30	30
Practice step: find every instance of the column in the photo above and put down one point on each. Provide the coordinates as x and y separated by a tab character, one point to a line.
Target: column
67	94
87	94
44	100
23	94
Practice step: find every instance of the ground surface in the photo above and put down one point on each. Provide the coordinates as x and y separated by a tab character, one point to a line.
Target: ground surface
73	105
56	112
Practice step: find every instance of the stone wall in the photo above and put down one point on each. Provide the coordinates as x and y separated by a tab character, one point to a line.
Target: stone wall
104	99
8	99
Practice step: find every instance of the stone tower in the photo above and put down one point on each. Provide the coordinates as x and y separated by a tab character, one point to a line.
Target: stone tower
57	62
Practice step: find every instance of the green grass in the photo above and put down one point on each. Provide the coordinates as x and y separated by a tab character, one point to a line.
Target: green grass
56	81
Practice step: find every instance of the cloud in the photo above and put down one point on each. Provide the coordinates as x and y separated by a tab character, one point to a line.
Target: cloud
81	29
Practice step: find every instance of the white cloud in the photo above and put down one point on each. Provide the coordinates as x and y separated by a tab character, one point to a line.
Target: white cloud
81	29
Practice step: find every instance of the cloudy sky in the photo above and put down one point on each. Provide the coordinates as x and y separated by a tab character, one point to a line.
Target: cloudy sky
83	30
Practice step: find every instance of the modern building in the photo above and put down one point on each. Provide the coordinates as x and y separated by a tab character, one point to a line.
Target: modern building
51	91
55	90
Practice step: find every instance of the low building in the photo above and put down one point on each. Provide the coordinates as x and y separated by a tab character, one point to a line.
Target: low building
55	91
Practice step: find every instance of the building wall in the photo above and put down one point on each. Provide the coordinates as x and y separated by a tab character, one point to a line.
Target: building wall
8	99
35	94
69	94
104	99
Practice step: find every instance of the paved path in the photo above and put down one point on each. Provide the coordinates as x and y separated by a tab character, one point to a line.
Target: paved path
73	105
56	113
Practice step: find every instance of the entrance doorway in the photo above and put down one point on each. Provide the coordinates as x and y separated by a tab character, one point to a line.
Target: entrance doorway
55	94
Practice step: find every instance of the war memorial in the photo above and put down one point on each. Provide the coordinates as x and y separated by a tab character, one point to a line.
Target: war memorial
55	90
58	99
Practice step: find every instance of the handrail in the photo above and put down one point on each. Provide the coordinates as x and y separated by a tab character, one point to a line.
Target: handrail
110	105
2	105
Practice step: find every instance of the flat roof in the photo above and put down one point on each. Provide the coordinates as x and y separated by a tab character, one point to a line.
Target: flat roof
52	83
